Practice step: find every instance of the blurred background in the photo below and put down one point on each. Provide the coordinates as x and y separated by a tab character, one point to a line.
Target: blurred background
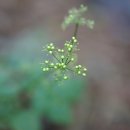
29	101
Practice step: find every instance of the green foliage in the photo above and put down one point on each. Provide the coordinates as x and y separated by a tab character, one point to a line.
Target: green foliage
44	98
57	100
75	16
25	120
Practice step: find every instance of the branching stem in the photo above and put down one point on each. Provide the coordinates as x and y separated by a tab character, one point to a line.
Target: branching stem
56	57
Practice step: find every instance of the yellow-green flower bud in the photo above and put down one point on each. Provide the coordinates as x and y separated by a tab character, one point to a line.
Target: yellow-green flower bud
52	47
52	64
72	59
59	50
85	69
73	38
64	66
47	69
51	44
79	66
44	69
46	61
79	72
62	57
84	74
48	47
69	49
55	67
65	77
62	50
76	67
50	52
71	46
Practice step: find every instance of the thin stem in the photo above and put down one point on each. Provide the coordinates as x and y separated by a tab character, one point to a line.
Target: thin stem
56	57
70	70
76	30
75	35
68	62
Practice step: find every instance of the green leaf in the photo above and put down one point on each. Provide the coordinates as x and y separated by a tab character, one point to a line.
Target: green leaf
27	120
60	113
42	99
69	91
8	90
55	100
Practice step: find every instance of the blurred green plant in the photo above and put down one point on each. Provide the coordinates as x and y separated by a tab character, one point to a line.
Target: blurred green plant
24	102
63	62
27	94
75	16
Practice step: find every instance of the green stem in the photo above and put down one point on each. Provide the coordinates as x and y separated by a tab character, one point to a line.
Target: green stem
70	70
76	30
68	62
56	57
75	35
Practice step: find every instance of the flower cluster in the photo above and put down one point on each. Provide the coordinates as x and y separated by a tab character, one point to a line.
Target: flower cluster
75	17
50	48
63	60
